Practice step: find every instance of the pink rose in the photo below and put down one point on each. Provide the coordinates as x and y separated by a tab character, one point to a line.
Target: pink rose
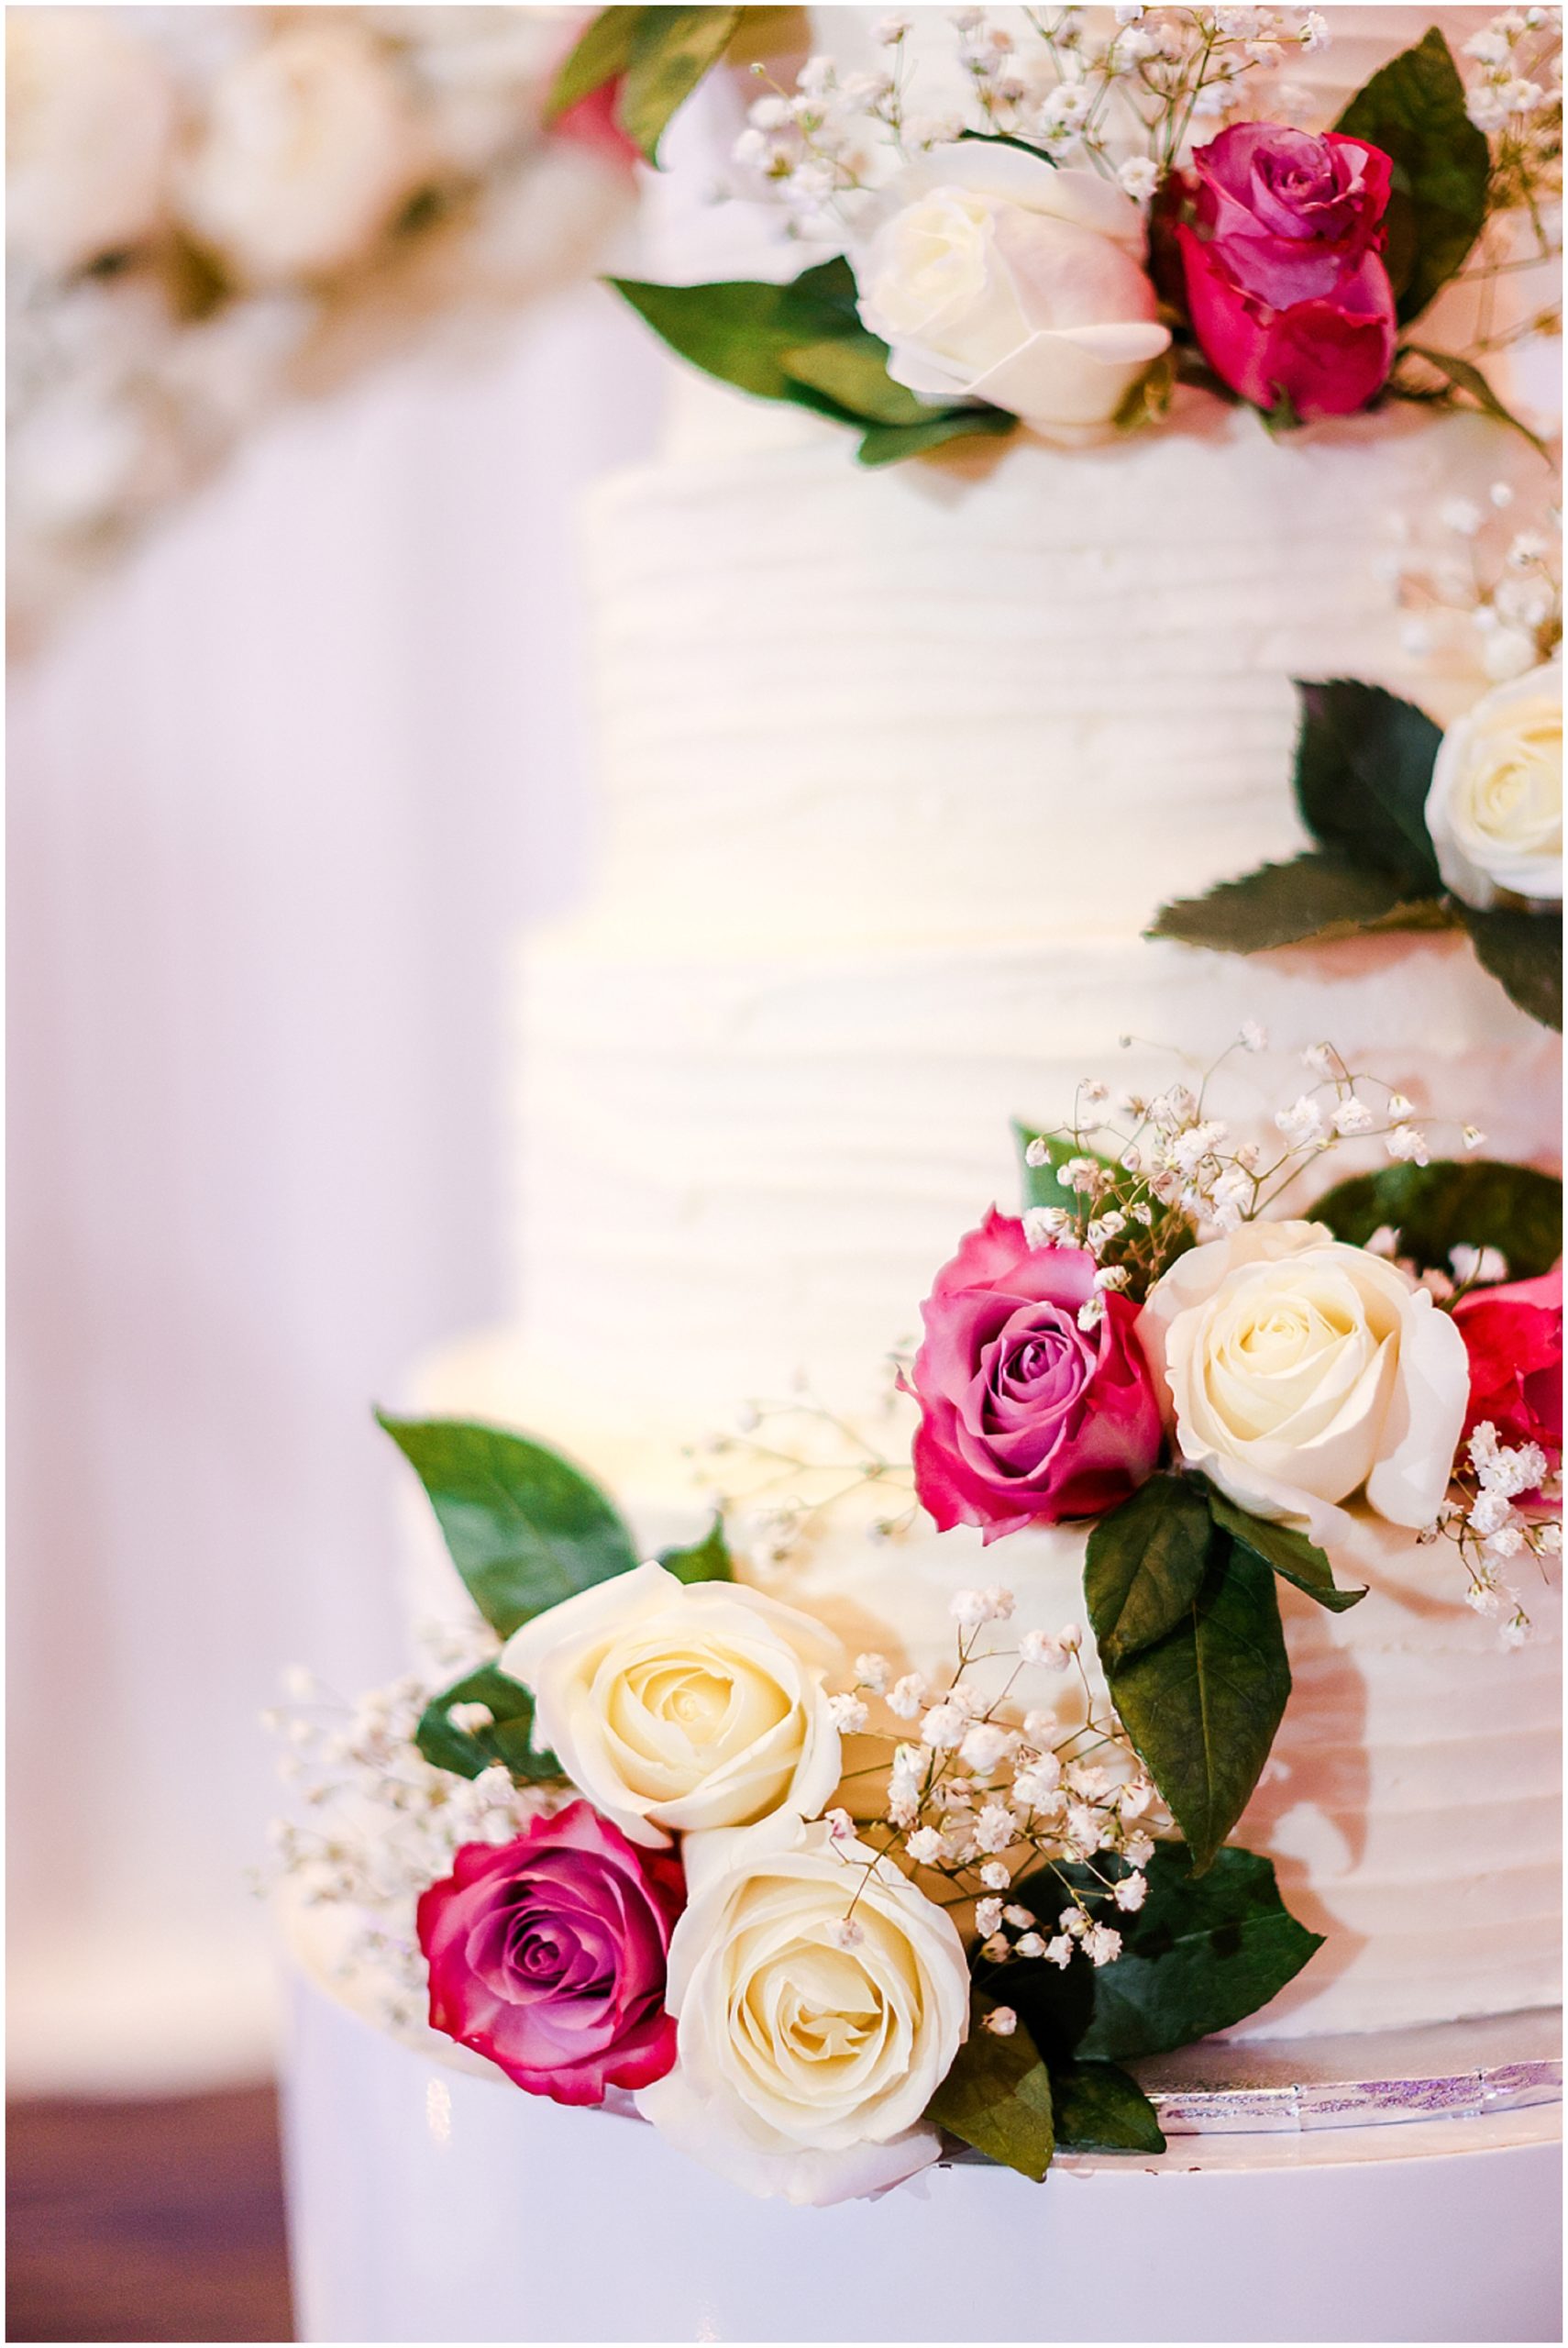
1024	1416
547	1955
1514	1337
1284	283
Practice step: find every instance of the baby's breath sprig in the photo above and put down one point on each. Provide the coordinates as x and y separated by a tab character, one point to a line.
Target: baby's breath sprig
779	1474
1498	1513
985	1794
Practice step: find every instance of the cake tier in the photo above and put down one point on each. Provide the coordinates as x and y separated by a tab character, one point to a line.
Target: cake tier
737	1167
1410	1804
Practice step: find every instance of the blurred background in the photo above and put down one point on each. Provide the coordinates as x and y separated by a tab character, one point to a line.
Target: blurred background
307	374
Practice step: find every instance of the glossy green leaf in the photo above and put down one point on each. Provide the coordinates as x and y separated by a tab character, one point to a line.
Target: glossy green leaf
1414	109
851	370
1364	768
1524	953
743	331
602	54
1290	1553
1202	1704
705	1561
1204	1951
526	1528
508	1739
672	49
1453	1202
890	444
1310	900
1145	1563
997	2096
1098	2109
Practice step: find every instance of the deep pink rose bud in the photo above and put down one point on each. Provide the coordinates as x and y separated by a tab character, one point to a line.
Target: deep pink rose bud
547	1955
1025	1417
1514	1337
1284	283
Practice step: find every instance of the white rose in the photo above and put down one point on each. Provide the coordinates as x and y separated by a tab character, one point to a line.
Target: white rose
89	126
310	146
993	276
1495	809
807	2052
1301	1371
676	1707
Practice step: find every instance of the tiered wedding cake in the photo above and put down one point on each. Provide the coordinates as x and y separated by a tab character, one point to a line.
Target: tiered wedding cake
895	768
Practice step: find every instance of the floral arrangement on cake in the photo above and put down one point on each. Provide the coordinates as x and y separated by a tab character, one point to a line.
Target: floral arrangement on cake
654	1834
209	210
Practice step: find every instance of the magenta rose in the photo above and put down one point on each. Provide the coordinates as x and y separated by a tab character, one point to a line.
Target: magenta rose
547	1955
1286	292
1514	1337
1024	1416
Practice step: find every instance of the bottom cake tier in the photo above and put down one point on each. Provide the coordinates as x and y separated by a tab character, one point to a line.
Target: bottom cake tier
1411	1804
430	2200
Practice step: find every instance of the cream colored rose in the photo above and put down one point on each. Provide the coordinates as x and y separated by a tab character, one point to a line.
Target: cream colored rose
807	2049
993	276
311	145
89	126
1495	809
677	1707
1300	1372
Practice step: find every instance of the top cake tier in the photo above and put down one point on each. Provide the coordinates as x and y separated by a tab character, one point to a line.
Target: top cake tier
1016	694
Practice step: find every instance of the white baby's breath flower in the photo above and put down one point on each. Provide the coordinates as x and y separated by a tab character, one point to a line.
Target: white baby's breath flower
849	1714
1001	2021
1102	1944
943	1728
1132	1892
906	1696
1407	1143
1302	1122
926	1847
984	1746
1352	1116
995	1876
996	1828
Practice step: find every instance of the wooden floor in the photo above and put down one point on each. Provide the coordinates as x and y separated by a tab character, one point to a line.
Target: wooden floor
156	2220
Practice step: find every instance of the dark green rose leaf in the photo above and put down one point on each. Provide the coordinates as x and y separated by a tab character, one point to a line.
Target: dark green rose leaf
1414	109
508	1739
1098	2109
851	370
672	49
1289	1552
1204	1951
705	1561
890	444
1146	1564
1462	376
526	1528
1364	767
603	52
1310	900
743	332
1455	1202
997	2096
1524	953
1202	1704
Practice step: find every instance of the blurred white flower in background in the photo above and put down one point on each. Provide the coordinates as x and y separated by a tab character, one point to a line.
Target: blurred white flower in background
211	210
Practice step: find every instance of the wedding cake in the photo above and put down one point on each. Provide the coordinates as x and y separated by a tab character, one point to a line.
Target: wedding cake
896	768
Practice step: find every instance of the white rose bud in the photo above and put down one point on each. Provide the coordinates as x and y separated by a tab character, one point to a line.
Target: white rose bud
1300	1372
992	275
1495	809
676	1706
821	2101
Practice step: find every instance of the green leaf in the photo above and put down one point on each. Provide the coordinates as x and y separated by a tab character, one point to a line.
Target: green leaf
1364	767
1289	1552
705	1561
1098	2109
1465	377
997	2096
672	49
1204	1951
1414	109
1202	1704
851	370
1524	953
1145	1563
1315	898
603	52
744	331
890	444
526	1528
1453	1202
508	1739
